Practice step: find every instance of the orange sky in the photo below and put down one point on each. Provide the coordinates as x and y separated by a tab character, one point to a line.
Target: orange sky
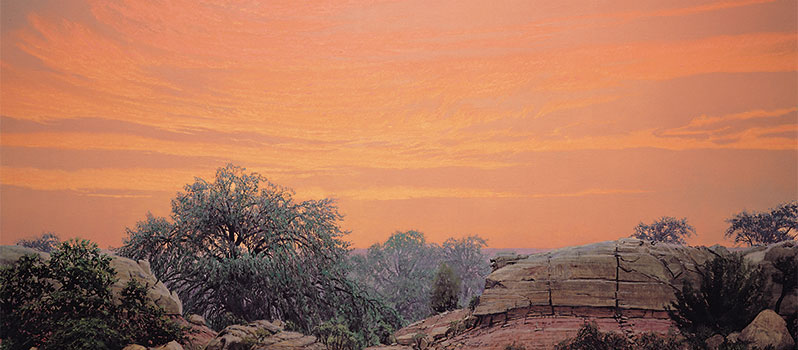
531	123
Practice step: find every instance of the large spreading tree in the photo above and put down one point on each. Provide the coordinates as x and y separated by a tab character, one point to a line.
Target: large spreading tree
759	228
240	248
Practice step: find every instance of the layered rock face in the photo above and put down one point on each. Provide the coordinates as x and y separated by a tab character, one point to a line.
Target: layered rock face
629	278
126	269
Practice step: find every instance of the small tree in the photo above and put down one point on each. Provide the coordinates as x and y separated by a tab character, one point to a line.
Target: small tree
728	299
666	229
465	257
44	243
445	289
402	270
760	228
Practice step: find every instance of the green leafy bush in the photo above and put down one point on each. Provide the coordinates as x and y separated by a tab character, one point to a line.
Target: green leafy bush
336	336
590	338
728	299
445	289
66	303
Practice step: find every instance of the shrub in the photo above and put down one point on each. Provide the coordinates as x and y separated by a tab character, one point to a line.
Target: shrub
336	336
728	299
445	289
66	303
44	243
590	338
473	303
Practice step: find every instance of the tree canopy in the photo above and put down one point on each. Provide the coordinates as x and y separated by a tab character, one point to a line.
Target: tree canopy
759	228
240	248
666	229
402	270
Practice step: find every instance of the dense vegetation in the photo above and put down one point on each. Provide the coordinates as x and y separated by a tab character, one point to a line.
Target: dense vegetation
66	303
240	248
728	298
403	268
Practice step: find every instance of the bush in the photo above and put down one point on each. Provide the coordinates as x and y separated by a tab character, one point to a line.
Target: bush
66	303
445	289
728	299
590	338
336	336
473	303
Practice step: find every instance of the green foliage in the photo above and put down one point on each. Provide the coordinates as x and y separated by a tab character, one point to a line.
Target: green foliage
240	248
44	243
666	230
66	303
590	338
445	289
336	336
402	270
764	227
728	299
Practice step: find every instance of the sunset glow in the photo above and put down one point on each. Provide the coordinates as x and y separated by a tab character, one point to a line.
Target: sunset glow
535	124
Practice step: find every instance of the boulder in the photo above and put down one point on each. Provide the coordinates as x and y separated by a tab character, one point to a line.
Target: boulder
764	257
768	329
262	335
197	336
196	319
126	269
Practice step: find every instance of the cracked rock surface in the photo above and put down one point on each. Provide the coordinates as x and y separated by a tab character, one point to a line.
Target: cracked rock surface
628	277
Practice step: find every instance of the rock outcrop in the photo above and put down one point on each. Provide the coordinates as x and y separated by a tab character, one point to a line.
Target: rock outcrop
538	300
262	335
628	277
768	329
126	269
